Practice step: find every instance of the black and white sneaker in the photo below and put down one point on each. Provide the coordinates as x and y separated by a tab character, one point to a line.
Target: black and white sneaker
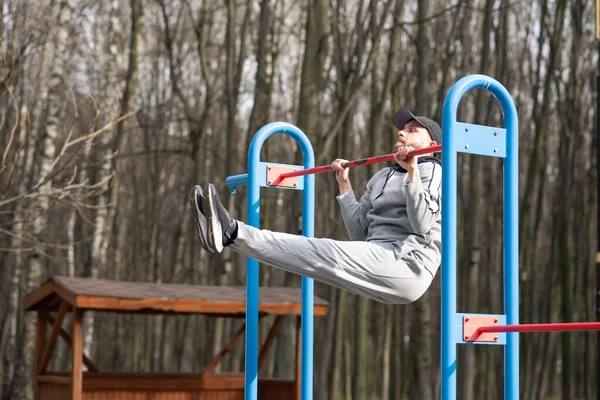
222	228
198	213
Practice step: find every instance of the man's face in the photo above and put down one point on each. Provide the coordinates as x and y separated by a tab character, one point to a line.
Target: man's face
415	135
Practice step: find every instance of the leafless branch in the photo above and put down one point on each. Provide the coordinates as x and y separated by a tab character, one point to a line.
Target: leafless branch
87	137
15	125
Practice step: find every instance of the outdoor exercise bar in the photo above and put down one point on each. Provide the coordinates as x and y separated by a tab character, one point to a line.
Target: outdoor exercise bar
484	329
550	327
354	163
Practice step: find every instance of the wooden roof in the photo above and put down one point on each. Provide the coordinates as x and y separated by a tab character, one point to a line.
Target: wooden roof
152	298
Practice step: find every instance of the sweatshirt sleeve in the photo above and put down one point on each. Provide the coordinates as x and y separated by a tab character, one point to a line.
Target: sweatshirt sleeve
424	198
354	213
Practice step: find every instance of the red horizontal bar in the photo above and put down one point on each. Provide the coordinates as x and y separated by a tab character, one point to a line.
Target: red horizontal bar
354	163
556	327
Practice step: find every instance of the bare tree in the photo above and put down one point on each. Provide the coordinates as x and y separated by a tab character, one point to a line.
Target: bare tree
34	271
111	93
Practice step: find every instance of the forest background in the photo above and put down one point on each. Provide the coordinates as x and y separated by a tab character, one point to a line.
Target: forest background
112	110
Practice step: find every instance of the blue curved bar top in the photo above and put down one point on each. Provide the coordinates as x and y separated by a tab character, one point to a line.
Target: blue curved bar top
253	180
489	141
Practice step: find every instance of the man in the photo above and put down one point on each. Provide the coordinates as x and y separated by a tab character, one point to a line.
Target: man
395	227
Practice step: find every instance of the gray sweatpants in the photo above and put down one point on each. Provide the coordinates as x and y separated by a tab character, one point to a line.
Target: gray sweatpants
365	268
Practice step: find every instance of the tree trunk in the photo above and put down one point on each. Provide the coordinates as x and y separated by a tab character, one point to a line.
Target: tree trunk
338	349
111	92
324	369
315	52
423	307
386	366
127	104
362	349
379	98
477	209
566	216
263	90
235	66
19	387
12	313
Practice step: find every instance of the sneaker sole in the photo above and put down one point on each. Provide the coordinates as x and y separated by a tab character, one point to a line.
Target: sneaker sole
200	221
215	231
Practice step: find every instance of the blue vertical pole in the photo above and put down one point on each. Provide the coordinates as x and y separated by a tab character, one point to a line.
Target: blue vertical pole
511	232
511	243
308	229
252	267
449	167
252	271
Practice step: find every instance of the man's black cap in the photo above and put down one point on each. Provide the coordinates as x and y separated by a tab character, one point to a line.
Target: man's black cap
403	116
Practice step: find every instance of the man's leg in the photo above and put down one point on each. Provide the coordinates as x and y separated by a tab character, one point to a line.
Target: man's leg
375	270
369	269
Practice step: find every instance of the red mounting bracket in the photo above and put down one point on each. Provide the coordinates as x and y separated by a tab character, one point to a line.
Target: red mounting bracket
273	173
472	322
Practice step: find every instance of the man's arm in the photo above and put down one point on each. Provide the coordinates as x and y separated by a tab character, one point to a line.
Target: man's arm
354	213
424	195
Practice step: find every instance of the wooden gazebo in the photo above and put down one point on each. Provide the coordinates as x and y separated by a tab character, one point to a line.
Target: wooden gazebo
61	295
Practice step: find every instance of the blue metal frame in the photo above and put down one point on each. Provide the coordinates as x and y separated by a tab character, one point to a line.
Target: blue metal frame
475	139
255	178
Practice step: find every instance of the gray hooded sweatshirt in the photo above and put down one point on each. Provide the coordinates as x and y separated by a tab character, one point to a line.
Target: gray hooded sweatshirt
392	210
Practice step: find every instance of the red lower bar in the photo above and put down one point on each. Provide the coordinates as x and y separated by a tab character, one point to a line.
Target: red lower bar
558	327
